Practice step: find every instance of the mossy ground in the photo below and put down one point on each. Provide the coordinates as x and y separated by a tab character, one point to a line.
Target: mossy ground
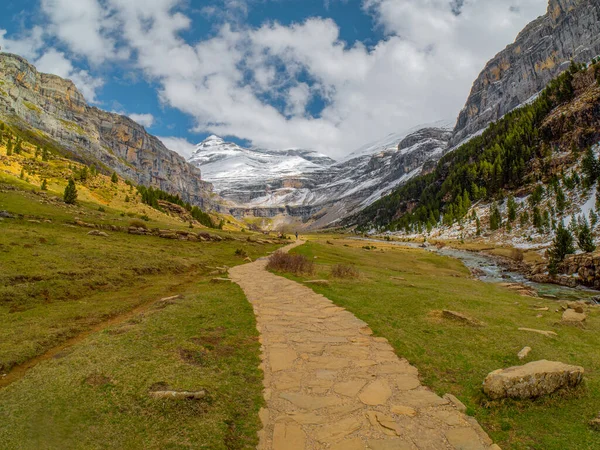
399	294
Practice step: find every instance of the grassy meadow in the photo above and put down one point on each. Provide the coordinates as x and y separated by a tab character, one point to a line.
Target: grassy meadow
400	293
85	332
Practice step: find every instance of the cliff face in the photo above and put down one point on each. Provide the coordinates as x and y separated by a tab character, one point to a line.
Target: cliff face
53	110
569	30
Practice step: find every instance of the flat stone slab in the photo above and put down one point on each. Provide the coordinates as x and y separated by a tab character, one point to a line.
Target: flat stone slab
570	316
531	380
329	383
544	332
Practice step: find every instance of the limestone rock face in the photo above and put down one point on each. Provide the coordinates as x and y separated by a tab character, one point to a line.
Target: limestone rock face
531	380
569	30
53	110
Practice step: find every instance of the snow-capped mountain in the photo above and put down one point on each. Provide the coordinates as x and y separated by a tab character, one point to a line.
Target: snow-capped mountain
310	185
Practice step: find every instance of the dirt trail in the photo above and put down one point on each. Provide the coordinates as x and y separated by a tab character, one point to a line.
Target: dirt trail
330	384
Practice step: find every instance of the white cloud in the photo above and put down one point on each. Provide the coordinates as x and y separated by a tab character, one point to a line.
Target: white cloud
179	145
145	120
27	45
87	27
256	83
55	62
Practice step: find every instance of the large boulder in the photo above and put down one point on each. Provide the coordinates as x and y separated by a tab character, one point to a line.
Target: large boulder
531	380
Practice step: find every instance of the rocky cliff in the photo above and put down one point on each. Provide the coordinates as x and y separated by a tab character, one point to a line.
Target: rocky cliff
51	110
570	30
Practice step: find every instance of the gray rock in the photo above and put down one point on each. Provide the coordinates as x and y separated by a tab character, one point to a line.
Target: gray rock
52	105
569	30
531	380
6	215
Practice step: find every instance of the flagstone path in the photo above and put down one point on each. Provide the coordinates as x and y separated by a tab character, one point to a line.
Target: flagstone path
330	384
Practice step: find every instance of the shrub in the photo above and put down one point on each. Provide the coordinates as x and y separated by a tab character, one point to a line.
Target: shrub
101	209
145	218
344	271
138	224
241	253
296	264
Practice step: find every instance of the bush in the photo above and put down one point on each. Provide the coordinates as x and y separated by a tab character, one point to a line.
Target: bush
241	253
296	264
138	224
101	209
344	271
145	218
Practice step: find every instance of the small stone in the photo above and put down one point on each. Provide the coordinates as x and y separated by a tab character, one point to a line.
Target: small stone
456	402
523	353
376	393
383	423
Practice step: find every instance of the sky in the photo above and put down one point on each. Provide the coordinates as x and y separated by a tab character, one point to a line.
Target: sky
324	75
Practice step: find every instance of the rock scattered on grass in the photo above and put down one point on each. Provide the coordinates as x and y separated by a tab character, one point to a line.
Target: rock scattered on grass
460	317
97	233
178	395
572	317
545	333
532	380
524	353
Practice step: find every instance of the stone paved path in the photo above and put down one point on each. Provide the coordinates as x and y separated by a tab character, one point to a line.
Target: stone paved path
330	384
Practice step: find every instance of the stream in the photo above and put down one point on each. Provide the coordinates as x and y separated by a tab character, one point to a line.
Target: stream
493	272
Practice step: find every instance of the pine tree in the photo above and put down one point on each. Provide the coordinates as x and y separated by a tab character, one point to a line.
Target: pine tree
561	247
70	195
44	186
512	209
561	201
83	174
593	219
45	154
22	176
495	217
9	147
590	167
127	199
537	219
37	152
18	147
478	222
585	239
114	178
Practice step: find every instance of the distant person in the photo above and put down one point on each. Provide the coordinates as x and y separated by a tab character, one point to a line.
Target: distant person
296	235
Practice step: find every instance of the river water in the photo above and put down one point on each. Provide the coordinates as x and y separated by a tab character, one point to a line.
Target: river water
493	272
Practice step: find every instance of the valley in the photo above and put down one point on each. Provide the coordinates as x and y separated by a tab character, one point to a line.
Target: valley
437	288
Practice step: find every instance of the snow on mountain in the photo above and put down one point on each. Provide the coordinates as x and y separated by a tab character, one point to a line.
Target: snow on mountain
310	184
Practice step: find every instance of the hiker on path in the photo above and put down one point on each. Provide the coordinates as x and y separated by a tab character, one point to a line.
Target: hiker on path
296	235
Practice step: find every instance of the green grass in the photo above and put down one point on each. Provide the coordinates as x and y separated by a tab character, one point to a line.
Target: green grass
454	358
95	395
87	311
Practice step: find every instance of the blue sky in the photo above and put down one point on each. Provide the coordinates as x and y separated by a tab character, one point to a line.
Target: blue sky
328	75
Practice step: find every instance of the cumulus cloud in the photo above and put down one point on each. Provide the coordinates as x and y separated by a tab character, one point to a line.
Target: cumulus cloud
27	45
257	83
145	120
179	145
55	62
